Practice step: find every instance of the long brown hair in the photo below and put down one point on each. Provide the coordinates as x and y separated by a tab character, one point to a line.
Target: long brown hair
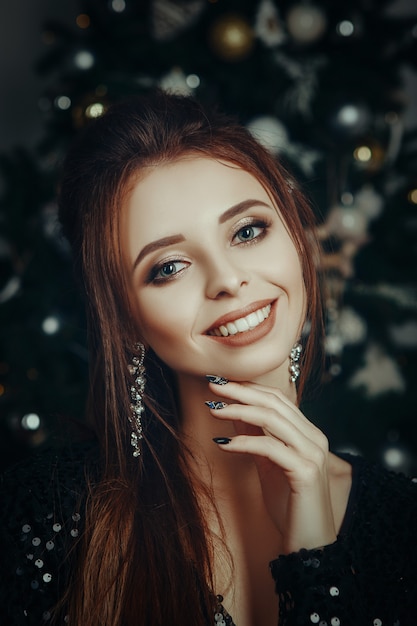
145	556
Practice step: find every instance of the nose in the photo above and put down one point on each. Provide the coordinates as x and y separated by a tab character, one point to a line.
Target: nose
224	277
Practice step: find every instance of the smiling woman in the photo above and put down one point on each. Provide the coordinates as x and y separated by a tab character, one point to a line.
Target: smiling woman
215	251
205	492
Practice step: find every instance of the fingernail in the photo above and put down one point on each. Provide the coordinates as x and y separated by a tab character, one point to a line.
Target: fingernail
215	405
222	441
217	380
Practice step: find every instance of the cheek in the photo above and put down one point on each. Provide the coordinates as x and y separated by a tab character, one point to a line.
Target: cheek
163	321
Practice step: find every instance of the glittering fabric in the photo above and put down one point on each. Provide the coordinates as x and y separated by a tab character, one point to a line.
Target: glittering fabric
368	577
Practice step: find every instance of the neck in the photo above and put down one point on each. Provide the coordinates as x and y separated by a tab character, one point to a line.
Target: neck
199	428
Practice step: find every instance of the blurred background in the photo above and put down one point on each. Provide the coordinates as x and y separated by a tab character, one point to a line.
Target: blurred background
329	87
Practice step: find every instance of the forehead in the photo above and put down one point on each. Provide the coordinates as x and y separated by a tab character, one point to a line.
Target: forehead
189	187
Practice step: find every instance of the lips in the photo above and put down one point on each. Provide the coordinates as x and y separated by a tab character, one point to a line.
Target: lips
242	321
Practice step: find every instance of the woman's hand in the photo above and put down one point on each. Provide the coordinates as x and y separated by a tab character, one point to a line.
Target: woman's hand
292	459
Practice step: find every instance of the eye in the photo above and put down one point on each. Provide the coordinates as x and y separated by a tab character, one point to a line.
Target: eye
249	232
166	270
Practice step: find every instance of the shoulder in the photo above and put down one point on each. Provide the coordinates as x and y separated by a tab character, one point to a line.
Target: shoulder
381	493
380	522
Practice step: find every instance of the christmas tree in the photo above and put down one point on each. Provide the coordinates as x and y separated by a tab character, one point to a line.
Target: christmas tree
319	84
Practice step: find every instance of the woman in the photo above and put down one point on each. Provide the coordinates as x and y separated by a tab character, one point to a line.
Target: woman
209	494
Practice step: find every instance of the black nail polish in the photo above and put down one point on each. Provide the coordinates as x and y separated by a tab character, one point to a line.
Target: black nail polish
215	405
217	380
222	441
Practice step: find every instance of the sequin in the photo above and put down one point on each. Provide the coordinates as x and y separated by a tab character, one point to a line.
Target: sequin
315	618
29	557
335	621
76	517
377	622
46	616
74	532
47	578
323	623
26	528
36	541
34	584
39	563
334	591
19	571
315	563
50	545
56	527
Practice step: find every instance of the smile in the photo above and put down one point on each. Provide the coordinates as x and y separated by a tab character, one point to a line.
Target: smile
242	324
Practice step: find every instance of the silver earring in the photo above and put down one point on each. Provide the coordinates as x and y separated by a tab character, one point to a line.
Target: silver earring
137	371
294	367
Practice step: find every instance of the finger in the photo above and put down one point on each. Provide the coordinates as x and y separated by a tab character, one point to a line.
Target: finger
265	419
257	395
302	473
271	423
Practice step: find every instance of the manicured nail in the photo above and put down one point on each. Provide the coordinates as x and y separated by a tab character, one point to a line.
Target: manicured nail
217	380
222	441
215	405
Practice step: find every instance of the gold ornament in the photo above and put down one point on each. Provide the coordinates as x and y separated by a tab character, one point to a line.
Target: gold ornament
231	37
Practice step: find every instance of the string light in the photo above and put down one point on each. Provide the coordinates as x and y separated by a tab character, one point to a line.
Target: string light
96	109
83	20
84	60
50	325
193	81
412	196
62	102
32	373
118	6
363	154
31	421
345	28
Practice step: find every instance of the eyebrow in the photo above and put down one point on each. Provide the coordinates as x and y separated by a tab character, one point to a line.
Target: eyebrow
164	242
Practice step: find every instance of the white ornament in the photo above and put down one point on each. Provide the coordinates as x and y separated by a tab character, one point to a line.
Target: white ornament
171	17
369	201
304	74
347	222
270	133
379	375
306	23
405	335
268	26
352	327
175	82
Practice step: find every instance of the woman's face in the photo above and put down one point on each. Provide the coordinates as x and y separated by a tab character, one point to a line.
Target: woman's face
215	277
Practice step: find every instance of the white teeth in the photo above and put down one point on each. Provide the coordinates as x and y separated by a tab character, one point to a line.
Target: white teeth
253	320
231	328
243	324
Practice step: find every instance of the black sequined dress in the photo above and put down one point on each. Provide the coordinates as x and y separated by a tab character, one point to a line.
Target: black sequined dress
368	577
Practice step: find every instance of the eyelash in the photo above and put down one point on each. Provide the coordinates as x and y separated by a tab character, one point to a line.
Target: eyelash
251	223
153	274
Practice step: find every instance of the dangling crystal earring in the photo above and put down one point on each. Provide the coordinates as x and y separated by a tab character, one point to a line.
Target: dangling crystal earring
294	367
137	370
